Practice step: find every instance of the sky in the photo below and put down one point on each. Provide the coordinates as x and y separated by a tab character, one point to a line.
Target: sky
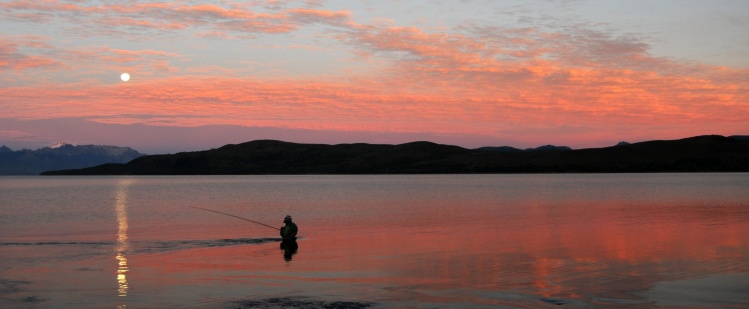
470	73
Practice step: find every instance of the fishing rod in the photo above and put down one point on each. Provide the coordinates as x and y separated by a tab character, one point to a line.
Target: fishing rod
238	217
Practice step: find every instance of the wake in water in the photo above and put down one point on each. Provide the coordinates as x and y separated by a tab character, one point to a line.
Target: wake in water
136	247
84	257
161	246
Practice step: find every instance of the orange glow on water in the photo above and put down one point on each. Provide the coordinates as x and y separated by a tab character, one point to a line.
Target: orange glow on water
437	240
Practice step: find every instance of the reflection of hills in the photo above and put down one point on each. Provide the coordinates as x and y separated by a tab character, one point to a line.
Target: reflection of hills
697	154
607	248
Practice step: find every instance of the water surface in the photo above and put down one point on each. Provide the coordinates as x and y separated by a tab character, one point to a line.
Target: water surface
427	241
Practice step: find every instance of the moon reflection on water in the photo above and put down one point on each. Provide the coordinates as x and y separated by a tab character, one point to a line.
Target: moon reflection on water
122	242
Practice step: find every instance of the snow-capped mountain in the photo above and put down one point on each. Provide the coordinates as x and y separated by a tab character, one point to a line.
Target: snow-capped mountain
61	156
59	144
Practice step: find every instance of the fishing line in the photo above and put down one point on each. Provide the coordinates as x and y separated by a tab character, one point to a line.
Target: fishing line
238	217
164	220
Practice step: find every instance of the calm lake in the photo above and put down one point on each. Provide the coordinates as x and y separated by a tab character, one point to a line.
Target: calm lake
414	241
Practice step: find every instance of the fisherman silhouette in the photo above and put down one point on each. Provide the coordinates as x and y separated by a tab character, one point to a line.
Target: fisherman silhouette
288	238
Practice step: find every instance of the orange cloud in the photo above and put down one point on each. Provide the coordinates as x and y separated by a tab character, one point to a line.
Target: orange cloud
367	106
468	80
11	56
171	16
310	16
612	79
35	61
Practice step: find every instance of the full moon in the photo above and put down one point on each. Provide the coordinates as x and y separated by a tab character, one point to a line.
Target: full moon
125	77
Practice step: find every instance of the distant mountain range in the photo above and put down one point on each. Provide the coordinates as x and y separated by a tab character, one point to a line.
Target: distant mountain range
61	156
712	153
513	149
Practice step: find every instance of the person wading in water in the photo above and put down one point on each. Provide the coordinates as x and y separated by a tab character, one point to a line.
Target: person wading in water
288	238
288	232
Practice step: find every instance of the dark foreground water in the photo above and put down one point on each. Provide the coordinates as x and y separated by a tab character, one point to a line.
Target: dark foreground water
444	241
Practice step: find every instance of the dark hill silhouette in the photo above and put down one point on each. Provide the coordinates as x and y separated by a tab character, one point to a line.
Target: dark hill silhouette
697	154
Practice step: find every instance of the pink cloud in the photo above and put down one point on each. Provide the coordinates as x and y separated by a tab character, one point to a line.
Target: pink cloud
469	80
173	16
310	16
32	59
132	22
11	56
581	78
366	106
